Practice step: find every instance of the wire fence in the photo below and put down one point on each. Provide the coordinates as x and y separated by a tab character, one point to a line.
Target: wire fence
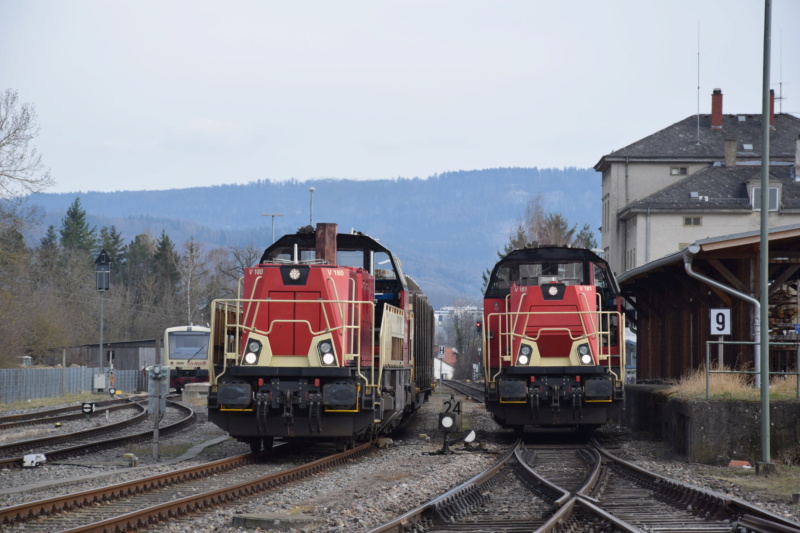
23	384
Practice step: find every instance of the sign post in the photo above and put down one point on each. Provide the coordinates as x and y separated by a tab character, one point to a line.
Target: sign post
720	325
103	273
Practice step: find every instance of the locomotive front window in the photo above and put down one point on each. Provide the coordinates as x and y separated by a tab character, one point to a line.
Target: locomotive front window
350	258
384	269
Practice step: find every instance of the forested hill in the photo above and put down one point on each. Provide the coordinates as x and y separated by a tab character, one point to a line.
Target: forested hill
446	228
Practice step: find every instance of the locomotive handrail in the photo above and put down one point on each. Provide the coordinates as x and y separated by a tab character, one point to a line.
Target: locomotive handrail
239	306
510	335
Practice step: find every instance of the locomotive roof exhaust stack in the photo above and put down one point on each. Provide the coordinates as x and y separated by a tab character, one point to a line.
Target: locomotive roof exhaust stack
326	242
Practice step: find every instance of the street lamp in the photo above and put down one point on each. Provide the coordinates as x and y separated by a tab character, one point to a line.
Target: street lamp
103	274
311	207
273	215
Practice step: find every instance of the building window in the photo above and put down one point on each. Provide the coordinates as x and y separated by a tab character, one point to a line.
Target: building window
678	171
773	198
692	221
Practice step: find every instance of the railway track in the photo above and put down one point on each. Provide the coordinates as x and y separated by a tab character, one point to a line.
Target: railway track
473	390
581	488
85	441
139	504
61	414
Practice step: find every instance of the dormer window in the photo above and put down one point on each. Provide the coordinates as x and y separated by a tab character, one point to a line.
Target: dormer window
774	197
678	171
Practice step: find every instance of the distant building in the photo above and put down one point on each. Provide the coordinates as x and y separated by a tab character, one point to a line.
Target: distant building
444	363
695	179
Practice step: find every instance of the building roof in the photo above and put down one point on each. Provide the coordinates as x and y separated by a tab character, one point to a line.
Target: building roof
719	188
683	141
710	244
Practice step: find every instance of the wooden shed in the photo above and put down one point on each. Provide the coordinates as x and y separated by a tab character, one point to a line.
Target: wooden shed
673	310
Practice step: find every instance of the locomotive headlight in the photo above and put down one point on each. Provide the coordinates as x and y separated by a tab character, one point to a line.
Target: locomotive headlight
585	354
524	356
327	357
254	346
252	352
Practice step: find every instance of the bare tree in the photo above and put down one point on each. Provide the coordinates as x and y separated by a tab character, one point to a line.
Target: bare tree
21	168
460	330
192	270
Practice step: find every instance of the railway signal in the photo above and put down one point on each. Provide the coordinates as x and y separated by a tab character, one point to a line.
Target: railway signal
88	408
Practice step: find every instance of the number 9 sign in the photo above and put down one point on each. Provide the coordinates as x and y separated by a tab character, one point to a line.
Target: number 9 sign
720	321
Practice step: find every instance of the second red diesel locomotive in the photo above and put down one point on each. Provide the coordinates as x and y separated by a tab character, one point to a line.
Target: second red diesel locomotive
328	341
553	339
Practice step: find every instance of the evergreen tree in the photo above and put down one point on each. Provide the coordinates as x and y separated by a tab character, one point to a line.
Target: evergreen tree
111	241
138	266
166	265
49	243
75	231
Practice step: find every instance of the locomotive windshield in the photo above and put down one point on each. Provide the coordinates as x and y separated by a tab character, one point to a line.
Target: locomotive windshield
539	266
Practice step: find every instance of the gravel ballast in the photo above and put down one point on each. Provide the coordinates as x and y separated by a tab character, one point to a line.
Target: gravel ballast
353	497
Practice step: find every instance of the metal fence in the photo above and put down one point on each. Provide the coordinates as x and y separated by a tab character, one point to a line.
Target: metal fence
22	384
756	375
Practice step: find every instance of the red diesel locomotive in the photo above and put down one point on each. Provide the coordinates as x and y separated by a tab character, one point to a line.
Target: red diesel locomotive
329	340
553	340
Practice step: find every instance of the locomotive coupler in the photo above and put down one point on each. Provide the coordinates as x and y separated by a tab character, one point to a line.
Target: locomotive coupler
554	404
262	408
534	402
288	412
315	411
577	404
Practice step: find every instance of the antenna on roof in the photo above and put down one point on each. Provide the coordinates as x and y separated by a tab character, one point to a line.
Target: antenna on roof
780	70
698	82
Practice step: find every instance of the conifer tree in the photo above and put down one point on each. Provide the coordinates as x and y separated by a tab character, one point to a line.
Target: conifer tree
76	235
111	241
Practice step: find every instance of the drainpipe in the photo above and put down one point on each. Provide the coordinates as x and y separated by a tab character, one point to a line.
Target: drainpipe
688	256
647	239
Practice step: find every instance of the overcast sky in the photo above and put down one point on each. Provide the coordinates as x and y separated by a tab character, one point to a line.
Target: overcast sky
144	95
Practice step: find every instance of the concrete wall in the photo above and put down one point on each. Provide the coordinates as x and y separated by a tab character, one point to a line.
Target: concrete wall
712	432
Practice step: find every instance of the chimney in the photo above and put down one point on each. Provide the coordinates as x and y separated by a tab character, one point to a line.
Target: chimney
326	242
772	108
730	153
716	109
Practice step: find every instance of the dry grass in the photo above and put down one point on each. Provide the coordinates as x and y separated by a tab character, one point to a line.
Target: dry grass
778	487
731	386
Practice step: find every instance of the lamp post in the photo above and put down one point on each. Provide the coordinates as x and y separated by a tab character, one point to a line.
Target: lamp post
103	274
311	207
273	215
